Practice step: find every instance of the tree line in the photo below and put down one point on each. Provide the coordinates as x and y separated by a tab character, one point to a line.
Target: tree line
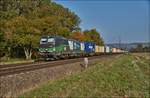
140	48
23	22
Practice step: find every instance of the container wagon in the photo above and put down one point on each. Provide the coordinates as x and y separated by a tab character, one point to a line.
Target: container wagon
82	48
114	50
89	48
97	50
75	47
107	49
102	49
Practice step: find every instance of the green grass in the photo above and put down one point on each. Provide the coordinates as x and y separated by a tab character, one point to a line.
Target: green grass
15	61
121	76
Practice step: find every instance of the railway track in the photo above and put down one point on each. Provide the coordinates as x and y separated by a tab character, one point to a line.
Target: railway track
19	68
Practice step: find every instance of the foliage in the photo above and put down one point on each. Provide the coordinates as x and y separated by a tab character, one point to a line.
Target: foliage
88	35
94	36
2	44
78	36
23	22
141	48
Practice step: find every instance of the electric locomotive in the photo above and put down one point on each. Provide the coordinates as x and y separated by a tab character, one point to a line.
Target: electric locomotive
53	47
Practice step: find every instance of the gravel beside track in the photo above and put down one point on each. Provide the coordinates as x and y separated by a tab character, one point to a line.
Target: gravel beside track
19	68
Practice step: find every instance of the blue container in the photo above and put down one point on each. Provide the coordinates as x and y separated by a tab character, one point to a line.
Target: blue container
89	47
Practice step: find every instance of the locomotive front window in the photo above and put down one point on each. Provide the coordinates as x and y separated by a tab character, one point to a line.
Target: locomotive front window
51	40
43	41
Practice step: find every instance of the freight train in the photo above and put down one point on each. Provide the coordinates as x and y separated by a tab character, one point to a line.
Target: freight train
57	47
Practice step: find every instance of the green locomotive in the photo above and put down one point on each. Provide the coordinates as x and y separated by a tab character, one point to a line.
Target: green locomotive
54	47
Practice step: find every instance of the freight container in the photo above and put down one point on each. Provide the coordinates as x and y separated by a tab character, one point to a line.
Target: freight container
101	49
114	50
74	45
118	50
97	49
107	49
70	42
77	46
82	46
110	49
89	47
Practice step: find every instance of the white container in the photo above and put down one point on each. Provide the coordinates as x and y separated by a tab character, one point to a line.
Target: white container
70	44
107	49
82	46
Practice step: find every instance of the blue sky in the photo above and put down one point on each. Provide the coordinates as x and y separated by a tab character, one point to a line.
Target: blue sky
127	20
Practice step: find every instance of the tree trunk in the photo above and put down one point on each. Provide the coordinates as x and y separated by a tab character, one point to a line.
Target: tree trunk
28	53
8	55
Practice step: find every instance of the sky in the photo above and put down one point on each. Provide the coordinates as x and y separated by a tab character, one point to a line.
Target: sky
127	21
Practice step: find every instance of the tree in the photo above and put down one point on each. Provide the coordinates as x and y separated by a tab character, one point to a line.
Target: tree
94	36
21	32
2	44
25	21
78	36
146	49
139	47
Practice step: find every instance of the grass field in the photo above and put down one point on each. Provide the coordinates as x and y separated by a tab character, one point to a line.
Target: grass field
119	76
15	61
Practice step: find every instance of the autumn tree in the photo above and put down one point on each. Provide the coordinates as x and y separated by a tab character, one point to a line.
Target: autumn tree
94	36
78	36
25	21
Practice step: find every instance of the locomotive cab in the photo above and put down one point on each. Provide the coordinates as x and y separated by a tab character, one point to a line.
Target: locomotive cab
47	42
53	47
